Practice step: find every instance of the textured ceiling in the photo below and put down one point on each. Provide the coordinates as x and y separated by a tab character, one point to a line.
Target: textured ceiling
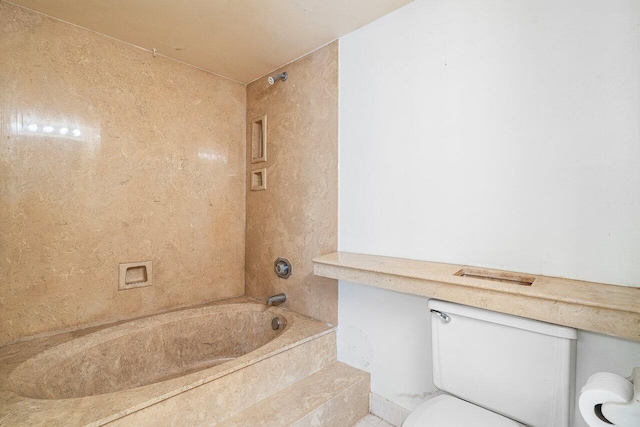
239	39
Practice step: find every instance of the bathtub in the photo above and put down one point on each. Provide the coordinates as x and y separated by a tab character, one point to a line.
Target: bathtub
196	366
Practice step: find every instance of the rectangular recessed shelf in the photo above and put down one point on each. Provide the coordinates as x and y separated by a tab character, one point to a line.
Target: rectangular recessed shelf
258	179
134	275
608	309
259	140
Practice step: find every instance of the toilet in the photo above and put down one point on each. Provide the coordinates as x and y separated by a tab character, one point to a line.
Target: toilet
497	370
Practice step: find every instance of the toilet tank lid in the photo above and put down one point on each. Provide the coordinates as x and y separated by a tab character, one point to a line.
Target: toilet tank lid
504	319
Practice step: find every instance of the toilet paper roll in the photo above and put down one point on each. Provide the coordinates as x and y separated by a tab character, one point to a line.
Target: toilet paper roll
601	388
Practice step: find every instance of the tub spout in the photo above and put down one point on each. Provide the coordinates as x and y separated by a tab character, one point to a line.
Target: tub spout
276	299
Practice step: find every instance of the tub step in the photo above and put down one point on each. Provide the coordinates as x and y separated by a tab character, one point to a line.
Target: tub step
335	396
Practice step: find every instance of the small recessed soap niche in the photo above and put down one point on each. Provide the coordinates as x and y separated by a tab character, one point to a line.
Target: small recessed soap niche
259	140
259	179
134	275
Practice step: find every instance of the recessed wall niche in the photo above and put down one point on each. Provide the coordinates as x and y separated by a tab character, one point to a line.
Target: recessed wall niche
259	140
259	179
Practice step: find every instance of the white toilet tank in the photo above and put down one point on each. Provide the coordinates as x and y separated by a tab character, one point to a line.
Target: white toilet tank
520	368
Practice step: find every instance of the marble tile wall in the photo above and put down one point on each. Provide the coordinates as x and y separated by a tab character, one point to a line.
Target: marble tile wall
108	155
296	216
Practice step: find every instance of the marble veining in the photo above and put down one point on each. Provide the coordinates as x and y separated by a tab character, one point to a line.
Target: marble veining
108	155
144	352
58	380
336	396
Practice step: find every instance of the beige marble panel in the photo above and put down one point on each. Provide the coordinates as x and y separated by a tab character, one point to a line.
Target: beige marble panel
155	171
296	216
342	410
336	396
597	307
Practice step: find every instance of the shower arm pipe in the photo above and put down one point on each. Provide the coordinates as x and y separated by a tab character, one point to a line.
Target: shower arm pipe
282	76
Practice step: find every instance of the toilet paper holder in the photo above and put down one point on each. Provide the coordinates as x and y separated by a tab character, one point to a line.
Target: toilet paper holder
625	414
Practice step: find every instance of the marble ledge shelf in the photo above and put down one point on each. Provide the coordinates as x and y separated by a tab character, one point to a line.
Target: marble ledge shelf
607	309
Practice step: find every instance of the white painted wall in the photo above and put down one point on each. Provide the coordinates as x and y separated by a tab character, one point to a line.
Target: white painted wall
388	334
497	133
501	133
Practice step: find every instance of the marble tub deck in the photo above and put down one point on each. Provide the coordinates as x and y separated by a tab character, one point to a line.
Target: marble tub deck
101	409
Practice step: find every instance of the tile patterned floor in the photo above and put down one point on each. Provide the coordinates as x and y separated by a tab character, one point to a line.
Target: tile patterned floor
371	420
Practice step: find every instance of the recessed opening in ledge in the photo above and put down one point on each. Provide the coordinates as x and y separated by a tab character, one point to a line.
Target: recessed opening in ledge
496	276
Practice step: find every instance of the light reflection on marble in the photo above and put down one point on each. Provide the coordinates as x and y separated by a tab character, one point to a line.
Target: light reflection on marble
155	173
54	127
211	155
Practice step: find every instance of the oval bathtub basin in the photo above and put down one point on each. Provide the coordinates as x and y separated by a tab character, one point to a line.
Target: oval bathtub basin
145	351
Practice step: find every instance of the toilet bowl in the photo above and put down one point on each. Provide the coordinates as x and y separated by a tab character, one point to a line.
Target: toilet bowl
449	411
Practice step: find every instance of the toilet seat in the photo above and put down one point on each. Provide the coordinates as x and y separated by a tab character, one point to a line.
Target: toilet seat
449	411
